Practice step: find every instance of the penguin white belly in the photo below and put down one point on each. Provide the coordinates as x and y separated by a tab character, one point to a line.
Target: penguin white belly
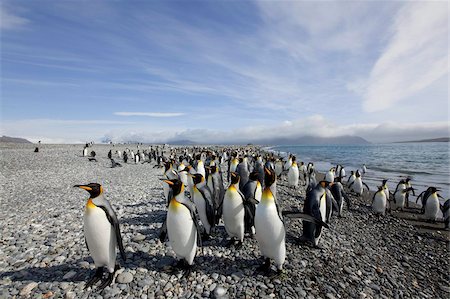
379	203
386	192
351	180
358	186
293	176
399	200
278	169
329	177
100	237
432	207
181	231
201	208
270	233
119	154
343	172
136	159
233	167
323	214
258	192
183	178
233	214
201	169
85	151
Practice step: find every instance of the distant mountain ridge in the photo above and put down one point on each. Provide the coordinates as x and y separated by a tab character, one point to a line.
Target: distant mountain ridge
315	140
14	139
442	139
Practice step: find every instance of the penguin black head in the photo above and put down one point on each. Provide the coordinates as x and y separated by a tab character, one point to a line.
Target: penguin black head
358	174
433	190
337	180
94	189
352	172
253	176
197	178
294	158
384	182
269	177
380	188
167	165
213	169
176	185
407	180
235	178
324	184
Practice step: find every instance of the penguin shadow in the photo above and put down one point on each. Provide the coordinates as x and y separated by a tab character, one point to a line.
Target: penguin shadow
156	216
51	274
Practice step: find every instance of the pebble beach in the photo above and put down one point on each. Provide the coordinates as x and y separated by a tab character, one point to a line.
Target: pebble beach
43	252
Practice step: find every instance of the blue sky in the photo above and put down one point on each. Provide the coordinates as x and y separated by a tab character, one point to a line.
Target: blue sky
231	71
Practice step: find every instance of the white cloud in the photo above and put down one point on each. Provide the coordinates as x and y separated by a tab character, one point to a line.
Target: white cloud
151	114
8	20
415	57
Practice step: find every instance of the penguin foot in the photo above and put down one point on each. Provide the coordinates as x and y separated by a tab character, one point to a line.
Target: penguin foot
97	276
107	281
238	245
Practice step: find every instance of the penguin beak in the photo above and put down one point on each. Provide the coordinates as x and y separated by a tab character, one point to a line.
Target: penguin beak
83	187
168	182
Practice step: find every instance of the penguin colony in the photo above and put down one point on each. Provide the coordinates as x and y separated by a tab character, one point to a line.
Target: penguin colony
198	200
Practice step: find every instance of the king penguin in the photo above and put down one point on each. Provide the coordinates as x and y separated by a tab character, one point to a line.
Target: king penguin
445	208
293	174
182	226
204	202
379	202
357	185
431	205
101	233
233	211
270	231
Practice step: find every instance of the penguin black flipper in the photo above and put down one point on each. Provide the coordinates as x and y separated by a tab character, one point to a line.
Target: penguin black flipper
210	213
112	218
163	232
368	189
306	217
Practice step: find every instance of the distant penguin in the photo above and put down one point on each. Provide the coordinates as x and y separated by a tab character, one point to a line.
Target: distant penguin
288	163
431	205
337	190
303	172
270	231
182	226
204	203
293	173
329	177
115	164
379	202
409	186
351	178
201	168
119	154
357	185
36	149
109	154
85	151
233	211
137	158
102	234
364	169
279	167
445	208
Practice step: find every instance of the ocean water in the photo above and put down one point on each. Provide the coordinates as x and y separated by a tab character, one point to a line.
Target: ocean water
427	164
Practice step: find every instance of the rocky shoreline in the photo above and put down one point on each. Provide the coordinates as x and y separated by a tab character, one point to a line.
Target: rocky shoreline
43	254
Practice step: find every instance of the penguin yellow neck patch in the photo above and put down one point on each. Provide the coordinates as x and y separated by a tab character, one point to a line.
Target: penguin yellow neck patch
267	196
90	204
174	204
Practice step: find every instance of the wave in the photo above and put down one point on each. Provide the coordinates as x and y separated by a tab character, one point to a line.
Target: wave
412	172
